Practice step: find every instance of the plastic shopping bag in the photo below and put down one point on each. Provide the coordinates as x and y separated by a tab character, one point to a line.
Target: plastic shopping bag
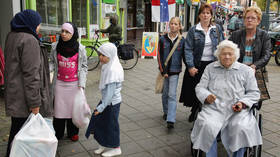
34	139
81	111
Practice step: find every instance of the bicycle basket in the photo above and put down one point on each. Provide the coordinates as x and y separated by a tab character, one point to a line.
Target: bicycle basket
125	51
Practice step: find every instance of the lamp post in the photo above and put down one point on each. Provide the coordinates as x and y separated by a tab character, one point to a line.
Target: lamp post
250	3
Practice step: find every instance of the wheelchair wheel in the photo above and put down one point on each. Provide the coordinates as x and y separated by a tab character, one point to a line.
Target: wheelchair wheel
129	64
196	152
92	59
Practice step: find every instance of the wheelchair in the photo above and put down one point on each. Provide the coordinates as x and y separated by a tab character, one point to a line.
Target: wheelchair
250	152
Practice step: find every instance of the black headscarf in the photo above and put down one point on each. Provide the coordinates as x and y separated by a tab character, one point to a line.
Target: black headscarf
26	21
71	47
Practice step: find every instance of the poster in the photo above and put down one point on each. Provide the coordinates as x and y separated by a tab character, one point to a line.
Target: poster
149	44
93	28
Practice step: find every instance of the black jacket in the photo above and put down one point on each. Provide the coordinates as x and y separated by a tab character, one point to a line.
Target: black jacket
261	46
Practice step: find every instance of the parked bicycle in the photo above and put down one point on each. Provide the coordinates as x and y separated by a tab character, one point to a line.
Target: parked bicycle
127	54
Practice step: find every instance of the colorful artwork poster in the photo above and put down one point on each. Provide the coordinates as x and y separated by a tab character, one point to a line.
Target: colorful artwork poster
149	43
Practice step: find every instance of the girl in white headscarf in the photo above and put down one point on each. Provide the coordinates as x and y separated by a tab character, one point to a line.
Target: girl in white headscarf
106	126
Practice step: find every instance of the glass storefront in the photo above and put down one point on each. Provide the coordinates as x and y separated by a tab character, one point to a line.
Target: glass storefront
55	12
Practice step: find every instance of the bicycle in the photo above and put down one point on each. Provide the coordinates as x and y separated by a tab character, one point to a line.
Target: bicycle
93	60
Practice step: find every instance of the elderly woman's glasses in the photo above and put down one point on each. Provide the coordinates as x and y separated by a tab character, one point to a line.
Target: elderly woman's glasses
251	18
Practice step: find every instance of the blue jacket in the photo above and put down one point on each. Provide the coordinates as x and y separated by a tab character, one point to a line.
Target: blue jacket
175	63
195	44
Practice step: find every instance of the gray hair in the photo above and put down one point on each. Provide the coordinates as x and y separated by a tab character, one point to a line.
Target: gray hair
227	44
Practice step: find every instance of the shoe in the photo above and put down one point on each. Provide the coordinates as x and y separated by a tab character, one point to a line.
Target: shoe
75	138
164	116
112	152
170	125
99	150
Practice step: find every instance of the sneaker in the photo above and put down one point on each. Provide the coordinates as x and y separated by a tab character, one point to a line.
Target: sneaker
164	116
75	138
99	150
112	152
170	125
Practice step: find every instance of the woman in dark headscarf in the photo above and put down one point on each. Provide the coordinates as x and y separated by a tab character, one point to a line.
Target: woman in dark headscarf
26	72
69	63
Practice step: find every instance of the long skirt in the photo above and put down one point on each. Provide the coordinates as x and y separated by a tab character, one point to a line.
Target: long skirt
188	96
105	127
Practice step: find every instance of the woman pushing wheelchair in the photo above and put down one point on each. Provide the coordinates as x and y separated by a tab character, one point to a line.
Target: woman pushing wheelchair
227	90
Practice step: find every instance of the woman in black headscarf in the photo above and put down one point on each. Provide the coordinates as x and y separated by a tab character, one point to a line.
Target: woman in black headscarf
69	63
26	72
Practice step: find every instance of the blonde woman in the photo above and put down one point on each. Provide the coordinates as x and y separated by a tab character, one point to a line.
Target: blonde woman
172	70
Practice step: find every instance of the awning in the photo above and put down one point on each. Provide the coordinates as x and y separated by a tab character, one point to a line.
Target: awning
109	1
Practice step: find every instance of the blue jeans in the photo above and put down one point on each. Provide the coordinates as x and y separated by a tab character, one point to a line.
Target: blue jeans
169	101
213	151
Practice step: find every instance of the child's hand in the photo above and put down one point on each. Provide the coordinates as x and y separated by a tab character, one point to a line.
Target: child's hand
96	112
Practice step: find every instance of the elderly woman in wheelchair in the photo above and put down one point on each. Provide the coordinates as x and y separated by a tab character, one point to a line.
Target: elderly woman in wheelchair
227	90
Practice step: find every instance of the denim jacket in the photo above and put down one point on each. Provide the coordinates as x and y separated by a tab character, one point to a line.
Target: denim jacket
175	63
195	44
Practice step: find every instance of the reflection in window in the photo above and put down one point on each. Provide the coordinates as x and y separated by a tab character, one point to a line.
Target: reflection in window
93	13
79	15
53	12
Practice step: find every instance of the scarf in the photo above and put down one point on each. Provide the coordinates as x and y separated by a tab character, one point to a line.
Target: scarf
26	21
111	71
71	47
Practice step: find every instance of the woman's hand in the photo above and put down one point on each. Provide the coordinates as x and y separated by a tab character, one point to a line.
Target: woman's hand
210	99
237	107
165	75
35	110
253	67
193	71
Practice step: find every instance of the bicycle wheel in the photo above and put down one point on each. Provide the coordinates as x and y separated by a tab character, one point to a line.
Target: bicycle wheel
92	59
129	64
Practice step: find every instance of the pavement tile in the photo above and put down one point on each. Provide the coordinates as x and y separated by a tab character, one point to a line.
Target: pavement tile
265	132
267	144
124	138
131	148
274	151
148	123
137	116
71	149
141	154
158	131
183	148
264	154
172	139
138	134
165	152
83	154
273	137
129	126
90	144
151	143
271	126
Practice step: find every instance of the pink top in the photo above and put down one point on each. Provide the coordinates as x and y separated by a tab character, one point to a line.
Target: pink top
67	68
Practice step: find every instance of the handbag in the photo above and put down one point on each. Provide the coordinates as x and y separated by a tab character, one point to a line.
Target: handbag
160	78
261	77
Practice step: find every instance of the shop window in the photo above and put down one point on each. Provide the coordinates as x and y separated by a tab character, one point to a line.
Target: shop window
54	13
135	13
79	16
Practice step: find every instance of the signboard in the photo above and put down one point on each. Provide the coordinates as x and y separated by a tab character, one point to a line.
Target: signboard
149	44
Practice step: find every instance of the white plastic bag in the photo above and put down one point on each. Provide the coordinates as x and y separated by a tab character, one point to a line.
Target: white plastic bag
81	111
34	139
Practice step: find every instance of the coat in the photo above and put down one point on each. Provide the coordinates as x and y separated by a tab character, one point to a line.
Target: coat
26	76
238	129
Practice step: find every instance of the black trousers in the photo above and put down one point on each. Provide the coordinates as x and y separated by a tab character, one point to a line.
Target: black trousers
17	123
59	127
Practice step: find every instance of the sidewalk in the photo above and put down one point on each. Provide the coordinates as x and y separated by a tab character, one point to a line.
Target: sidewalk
143	132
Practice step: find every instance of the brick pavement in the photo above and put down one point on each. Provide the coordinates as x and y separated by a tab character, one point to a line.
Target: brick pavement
143	132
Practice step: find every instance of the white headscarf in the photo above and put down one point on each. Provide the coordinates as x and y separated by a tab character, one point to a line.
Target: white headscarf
111	71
